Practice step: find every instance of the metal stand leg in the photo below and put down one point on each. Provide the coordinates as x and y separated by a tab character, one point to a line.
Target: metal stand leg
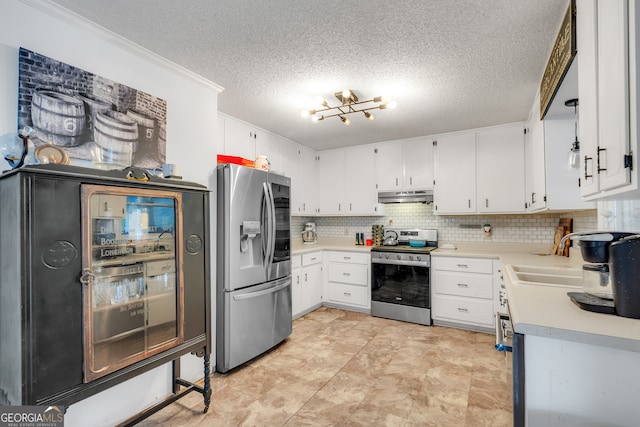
206	392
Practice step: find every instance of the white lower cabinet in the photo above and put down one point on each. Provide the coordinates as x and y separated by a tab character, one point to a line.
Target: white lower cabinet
347	280
310	283
464	292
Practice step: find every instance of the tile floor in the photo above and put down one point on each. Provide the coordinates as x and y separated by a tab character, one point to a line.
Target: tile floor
341	368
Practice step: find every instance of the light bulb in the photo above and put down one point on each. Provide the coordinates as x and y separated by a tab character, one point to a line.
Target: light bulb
368	115
574	155
388	105
307	113
346	94
346	121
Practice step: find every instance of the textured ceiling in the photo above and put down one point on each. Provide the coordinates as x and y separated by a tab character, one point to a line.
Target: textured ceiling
451	65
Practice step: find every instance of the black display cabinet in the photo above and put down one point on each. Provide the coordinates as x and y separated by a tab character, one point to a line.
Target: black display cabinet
103	275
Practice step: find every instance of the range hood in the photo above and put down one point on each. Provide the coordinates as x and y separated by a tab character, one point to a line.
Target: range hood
425	196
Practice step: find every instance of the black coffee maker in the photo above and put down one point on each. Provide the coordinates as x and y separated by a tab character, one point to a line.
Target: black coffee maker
598	278
624	262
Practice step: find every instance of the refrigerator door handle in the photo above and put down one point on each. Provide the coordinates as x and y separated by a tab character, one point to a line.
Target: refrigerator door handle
262	292
267	245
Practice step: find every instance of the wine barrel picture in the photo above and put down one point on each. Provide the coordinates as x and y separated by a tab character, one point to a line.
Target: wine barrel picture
93	106
90	117
58	118
117	136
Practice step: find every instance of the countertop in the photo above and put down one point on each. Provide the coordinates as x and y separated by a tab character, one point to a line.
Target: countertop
298	247
544	311
547	311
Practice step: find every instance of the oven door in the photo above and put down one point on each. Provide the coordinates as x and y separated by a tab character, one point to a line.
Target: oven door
402	284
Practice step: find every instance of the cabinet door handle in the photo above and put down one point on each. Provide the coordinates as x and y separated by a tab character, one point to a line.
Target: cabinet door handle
347	294
314	258
410	180
463	310
486	202
586	174
298	280
469	203
463	266
396	182
346	274
346	257
339	207
304	206
463	285
533	198
350	208
599	168
305	277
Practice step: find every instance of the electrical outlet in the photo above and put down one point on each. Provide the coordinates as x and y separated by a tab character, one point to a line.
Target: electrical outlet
390	221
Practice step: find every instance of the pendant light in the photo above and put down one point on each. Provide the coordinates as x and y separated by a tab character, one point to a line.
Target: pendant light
574	153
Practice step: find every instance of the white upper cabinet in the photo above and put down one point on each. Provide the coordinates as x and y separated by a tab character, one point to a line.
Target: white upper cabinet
346	186
404	165
455	174
360	185
535	183
331	182
500	169
286	158
389	166
480	171
239	138
307	182
608	95
418	164
270	145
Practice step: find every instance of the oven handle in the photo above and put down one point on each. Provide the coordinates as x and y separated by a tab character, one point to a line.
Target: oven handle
401	262
501	345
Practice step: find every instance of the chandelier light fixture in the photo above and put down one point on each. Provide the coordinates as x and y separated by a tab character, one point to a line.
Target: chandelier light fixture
349	104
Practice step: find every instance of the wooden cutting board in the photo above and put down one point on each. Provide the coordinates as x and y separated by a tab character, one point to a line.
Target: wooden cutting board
556	239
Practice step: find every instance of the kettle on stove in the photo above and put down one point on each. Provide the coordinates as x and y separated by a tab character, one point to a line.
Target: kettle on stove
309	235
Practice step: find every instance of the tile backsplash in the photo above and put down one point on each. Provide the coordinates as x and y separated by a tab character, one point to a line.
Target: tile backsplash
529	228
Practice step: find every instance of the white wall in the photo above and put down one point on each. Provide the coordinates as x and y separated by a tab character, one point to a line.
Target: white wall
45	28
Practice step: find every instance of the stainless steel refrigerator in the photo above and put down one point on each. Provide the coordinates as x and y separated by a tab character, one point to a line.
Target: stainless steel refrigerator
253	263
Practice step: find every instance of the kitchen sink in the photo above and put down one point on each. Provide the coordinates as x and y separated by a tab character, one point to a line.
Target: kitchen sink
545	276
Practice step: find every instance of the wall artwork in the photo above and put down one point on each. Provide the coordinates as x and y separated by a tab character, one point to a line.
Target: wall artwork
89	116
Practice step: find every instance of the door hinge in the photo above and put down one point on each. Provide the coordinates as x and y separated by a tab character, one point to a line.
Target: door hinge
628	161
544	199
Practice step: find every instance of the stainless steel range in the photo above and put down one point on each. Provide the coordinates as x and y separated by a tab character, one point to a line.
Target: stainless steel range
400	285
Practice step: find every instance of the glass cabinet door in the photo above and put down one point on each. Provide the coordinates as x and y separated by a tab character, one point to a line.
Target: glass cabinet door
133	289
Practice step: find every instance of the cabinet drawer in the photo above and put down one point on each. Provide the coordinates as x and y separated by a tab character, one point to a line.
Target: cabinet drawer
465	310
350	257
461	284
311	258
348	294
347	273
296	261
467	265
